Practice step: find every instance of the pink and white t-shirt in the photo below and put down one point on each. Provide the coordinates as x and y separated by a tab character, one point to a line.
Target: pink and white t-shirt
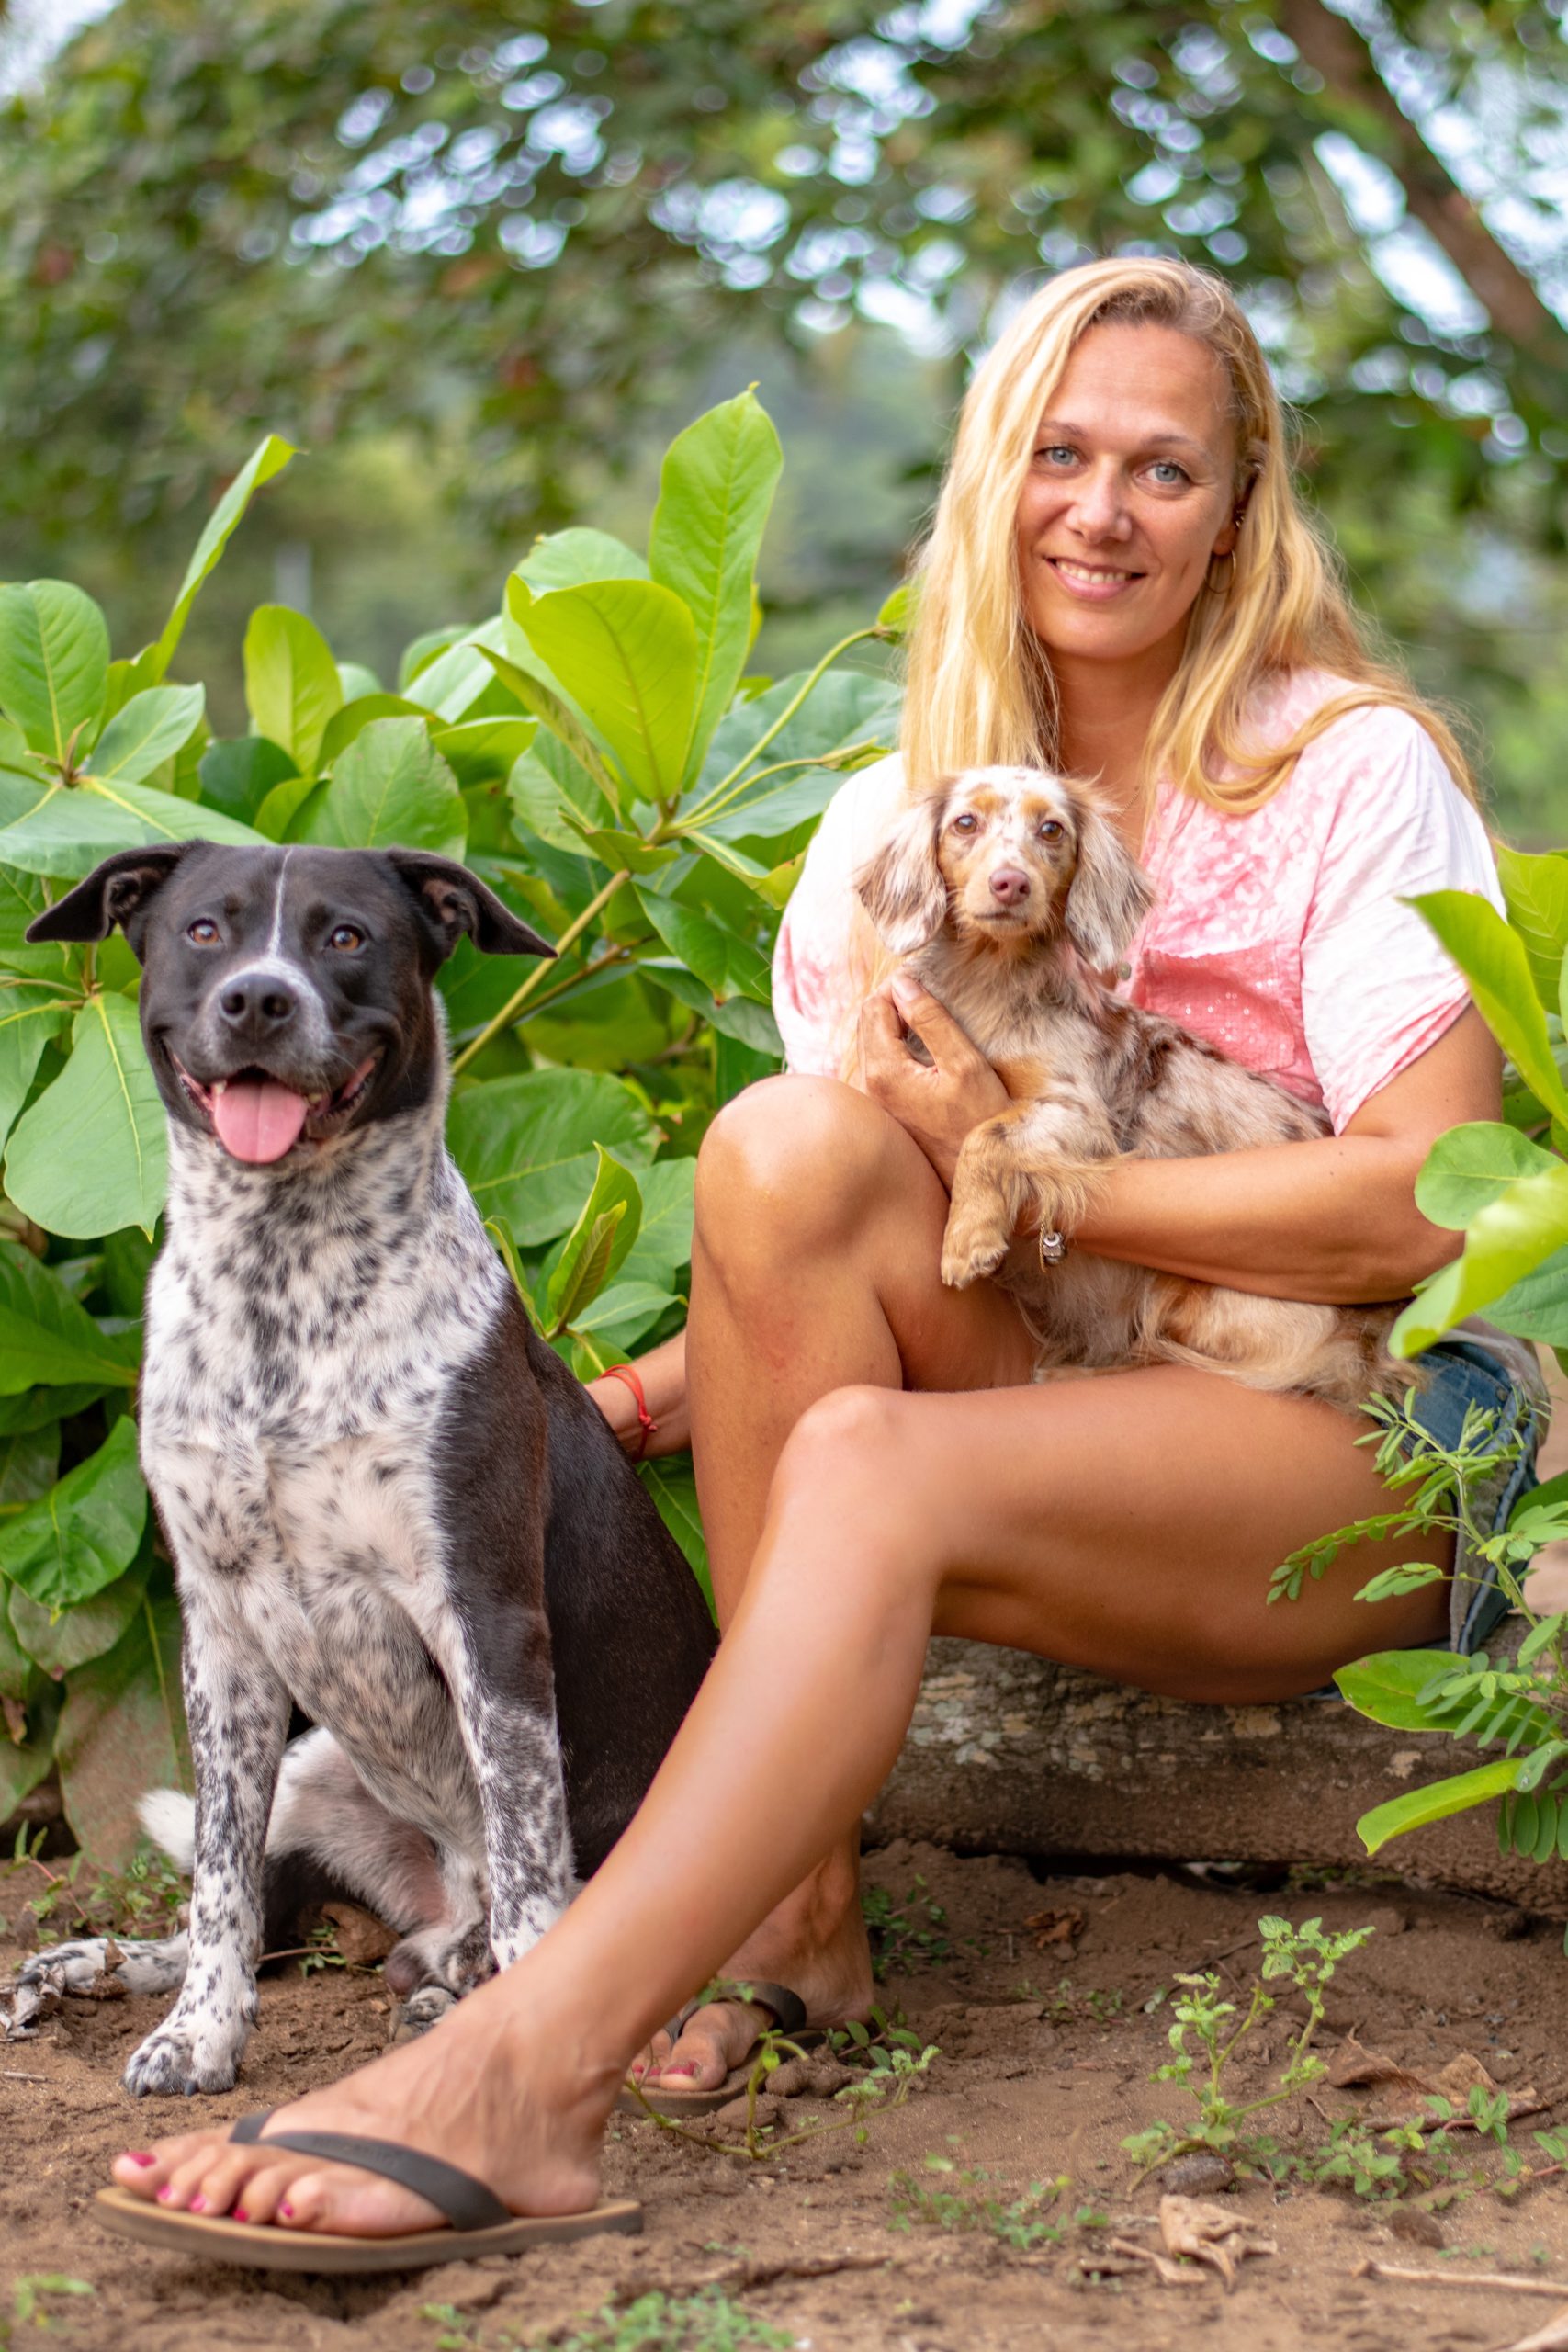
1278	937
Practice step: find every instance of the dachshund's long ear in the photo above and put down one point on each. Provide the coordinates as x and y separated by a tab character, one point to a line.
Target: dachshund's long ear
901	887
1109	895
116	891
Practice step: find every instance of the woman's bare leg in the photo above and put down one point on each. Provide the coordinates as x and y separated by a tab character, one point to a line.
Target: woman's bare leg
1076	1520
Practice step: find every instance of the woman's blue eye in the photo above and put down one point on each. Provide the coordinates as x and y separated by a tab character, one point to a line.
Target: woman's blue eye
1053	449
1168	471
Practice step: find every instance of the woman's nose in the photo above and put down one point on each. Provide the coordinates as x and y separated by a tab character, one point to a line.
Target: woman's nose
1099	510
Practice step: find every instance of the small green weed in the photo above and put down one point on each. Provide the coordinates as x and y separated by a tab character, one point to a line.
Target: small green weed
971	2199
143	1899
29	2297
709	2321
906	1936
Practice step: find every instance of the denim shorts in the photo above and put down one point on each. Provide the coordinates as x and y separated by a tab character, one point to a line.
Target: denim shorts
1478	1365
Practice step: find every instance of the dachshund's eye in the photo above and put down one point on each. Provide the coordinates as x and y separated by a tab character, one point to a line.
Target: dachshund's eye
968	823
204	933
347	937
1050	830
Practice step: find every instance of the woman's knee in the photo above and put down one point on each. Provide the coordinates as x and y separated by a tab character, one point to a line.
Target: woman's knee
795	1163
848	1455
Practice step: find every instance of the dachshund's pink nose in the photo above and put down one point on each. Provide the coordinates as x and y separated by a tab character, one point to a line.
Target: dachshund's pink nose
1008	886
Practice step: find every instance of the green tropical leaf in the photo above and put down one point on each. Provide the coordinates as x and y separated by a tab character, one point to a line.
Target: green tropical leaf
30	1463
60	1639
353	718
571	559
150	729
1507	1239
453	683
604	1231
291	682
622	1312
846	712
526	1146
716	488
82	1533
24	1763
674	1490
1420	1807
547	806
54	662
727	965
483	751
1537	1306
236	776
625	650
122	1731
269	458
46	1337
23	897
1535	890
1471	1166
1494	961
663	1244
64	832
92	1153
31	1012
1386	1688
390	786
737	1016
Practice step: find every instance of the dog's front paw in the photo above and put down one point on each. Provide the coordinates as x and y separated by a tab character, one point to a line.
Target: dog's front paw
975	1245
421	2011
185	2055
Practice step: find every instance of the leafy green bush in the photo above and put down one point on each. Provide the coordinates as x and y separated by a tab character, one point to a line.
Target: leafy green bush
596	754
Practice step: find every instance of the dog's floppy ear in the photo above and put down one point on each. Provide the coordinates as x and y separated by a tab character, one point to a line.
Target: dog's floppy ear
457	902
1109	894
114	892
901	887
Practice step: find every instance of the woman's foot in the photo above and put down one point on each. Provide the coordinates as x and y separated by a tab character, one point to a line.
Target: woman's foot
815	1943
487	2090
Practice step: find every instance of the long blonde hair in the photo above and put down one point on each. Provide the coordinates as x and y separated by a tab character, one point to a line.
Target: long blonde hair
979	684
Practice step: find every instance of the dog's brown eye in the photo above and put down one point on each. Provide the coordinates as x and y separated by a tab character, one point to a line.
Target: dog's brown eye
965	824
347	937
204	931
1050	830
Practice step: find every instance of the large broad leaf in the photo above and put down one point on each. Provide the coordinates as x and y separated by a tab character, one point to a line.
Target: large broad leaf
1386	1687
60	1639
82	1533
30	1463
1494	961
291	682
31	1012
674	1490
46	1335
1437	1802
1508	1238
483	751
1535	890
150	729
54	662
568	558
739	1017
1536	1307
454	682
236	776
526	1145
389	786
625	650
122	1731
64	832
663	1244
595	1248
1471	1166
846	710
23	897
267	458
355	717
727	965
622	1312
714	491
92	1153
25	1764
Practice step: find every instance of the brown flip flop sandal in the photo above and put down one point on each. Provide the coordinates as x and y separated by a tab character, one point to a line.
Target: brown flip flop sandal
789	2014
478	2223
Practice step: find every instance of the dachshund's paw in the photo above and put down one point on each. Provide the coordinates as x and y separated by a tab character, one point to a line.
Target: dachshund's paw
183	2056
973	1247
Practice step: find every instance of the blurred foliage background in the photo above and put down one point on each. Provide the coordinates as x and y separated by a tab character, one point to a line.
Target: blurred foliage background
481	261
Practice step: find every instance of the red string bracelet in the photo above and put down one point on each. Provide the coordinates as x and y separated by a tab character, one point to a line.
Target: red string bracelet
646	1425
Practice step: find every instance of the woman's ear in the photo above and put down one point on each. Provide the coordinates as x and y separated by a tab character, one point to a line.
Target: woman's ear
901	887
1109	895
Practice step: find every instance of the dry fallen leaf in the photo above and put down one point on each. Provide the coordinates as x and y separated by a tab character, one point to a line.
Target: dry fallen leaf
1127	2257
1355	2067
1050	1927
1462	2075
361	1938
1205	2234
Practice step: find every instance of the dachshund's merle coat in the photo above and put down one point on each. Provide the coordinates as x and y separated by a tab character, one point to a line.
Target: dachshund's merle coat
388	1503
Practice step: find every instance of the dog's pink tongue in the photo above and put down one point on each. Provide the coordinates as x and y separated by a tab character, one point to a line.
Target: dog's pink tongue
257	1119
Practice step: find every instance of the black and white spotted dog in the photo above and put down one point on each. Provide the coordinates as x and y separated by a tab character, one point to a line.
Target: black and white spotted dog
388	1501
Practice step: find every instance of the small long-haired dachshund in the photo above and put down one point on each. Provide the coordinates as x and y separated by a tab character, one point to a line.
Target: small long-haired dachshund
1007	893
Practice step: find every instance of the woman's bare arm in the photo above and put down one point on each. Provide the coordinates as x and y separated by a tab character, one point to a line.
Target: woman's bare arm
1334	1220
663	1375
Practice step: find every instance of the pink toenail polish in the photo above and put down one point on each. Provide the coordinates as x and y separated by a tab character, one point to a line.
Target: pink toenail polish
140	2157
197	2205
286	2212
670	2071
241	2214
165	2194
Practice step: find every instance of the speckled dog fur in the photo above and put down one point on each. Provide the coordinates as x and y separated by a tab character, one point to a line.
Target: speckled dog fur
375	1481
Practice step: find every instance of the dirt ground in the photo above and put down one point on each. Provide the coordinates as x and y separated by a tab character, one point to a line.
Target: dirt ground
1046	2052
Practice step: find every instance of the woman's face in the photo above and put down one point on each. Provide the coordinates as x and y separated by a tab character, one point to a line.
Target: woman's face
1130	496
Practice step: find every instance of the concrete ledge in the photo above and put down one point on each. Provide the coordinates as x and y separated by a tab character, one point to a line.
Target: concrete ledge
1011	1754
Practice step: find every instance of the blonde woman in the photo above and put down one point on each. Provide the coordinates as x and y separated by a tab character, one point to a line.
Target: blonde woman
1119	582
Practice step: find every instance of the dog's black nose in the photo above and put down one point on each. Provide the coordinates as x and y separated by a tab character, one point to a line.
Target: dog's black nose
258	1004
1008	886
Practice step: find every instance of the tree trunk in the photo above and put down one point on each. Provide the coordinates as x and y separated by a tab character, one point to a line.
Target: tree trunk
1011	1754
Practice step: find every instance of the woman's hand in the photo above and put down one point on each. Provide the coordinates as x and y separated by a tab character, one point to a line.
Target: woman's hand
938	1104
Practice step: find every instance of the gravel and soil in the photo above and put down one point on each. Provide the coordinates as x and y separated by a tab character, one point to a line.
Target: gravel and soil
1036	1992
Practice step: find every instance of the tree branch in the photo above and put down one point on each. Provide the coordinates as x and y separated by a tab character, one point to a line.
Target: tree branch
1336	50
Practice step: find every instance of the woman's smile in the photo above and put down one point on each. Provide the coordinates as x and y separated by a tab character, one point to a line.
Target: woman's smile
1094	584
